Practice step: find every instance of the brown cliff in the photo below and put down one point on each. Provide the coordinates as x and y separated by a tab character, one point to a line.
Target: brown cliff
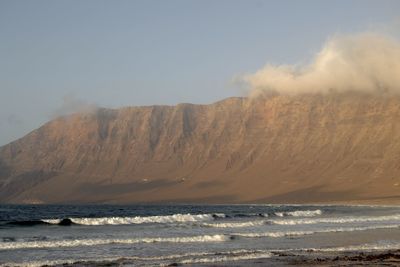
286	149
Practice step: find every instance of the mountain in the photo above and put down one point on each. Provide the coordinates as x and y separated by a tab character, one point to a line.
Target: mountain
308	148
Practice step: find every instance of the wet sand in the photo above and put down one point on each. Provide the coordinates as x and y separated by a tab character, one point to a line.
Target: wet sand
280	259
378	258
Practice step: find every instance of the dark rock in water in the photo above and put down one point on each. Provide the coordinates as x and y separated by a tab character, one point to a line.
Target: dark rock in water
217	217
174	264
65	222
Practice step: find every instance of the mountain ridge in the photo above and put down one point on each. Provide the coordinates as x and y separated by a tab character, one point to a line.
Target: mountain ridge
308	148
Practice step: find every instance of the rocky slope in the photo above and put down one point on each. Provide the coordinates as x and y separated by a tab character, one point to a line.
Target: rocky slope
278	148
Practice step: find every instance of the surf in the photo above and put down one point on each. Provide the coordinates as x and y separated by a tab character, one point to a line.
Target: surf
96	242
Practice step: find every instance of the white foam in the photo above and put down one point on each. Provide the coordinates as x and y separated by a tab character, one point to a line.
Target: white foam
235	224
223	258
195	254
301	233
274	234
52	221
299	213
94	242
175	218
364	247
336	220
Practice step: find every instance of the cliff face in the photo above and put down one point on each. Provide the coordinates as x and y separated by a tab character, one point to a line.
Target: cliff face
305	148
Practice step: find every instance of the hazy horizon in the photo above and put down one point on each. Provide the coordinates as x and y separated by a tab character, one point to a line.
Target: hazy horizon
59	57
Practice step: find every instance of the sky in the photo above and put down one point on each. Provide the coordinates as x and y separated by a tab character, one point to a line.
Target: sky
58	57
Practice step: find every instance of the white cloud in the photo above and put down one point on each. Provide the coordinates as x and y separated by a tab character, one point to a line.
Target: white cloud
366	62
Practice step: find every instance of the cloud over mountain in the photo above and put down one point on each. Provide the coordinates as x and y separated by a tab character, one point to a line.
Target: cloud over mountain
366	62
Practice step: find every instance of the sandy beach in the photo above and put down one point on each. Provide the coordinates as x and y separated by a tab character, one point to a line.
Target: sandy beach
309	258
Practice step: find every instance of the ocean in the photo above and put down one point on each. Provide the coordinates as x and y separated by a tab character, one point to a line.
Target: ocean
160	235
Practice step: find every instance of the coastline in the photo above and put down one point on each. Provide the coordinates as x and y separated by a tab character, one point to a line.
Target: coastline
277	259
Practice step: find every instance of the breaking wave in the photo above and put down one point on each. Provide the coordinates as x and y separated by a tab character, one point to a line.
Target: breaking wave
299	213
302	233
95	242
336	220
234	224
175	218
364	247
229	257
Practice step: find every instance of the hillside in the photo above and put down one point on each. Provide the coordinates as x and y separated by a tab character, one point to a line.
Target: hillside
273	149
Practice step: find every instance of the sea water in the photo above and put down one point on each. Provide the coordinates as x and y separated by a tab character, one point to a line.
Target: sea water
146	235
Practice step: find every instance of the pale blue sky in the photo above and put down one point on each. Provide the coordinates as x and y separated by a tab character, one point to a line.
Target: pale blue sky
121	53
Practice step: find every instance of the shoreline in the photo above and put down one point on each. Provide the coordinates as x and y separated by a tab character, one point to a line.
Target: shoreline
343	204
278	259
